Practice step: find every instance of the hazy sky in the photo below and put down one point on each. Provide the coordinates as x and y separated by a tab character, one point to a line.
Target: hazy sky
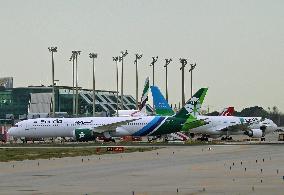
238	45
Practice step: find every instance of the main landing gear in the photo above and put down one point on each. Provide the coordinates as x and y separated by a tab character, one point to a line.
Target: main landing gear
203	138
227	138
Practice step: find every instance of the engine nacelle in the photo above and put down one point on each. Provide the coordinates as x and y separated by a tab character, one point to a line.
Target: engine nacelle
255	133
84	135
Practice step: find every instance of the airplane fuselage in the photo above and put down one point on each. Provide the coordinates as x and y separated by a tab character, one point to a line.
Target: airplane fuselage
217	126
65	127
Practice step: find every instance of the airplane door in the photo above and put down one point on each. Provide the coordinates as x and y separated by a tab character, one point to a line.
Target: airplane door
30	129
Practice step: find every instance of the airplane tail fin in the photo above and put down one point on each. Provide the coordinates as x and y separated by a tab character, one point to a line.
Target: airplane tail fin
193	105
229	111
161	105
144	97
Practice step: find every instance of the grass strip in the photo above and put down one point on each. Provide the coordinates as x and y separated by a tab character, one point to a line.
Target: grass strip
19	154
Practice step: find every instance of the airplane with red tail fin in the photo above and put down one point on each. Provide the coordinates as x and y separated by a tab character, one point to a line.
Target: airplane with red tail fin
229	111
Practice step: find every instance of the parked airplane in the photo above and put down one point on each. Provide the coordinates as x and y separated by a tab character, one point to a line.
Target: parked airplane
142	111
88	128
142	107
217	126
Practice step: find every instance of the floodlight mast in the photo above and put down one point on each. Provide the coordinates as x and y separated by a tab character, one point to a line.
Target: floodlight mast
116	60
192	67
154	60
76	53
183	62
52	50
137	57
93	56
168	61
123	54
72	58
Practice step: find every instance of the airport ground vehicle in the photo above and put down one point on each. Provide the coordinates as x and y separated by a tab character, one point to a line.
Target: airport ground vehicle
281	137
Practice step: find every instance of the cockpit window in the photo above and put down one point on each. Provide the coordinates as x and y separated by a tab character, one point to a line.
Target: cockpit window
15	126
35	121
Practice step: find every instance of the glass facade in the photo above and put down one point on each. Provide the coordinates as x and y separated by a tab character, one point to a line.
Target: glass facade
15	101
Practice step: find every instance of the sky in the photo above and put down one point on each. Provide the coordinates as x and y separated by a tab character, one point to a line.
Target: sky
238	45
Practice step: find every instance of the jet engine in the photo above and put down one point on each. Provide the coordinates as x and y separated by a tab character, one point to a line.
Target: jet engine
84	135
255	133
263	128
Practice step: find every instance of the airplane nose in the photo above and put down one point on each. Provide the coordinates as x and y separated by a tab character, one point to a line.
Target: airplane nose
11	131
275	125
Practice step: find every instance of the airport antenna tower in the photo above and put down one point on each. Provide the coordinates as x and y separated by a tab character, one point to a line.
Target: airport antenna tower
52	50
72	58
154	60
93	56
192	66
168	61
137	57
121	59
183	62
76	53
116	60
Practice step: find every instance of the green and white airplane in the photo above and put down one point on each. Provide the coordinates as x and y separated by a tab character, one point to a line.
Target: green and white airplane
88	128
214	126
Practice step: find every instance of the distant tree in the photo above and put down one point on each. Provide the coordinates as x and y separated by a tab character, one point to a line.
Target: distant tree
215	113
275	115
255	111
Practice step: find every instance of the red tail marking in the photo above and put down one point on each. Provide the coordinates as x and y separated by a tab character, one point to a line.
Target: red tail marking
228	111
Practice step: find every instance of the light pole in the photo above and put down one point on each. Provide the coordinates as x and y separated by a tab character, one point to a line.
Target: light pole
116	59
168	61
52	50
192	66
76	53
123	54
183	64
72	58
93	56
154	60
137	57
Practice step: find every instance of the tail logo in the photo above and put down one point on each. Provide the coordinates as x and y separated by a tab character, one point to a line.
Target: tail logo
193	106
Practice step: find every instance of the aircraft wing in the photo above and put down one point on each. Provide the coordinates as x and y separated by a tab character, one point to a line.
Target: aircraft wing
112	126
232	128
279	129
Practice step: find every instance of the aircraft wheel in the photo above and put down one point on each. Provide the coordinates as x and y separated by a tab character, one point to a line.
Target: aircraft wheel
262	139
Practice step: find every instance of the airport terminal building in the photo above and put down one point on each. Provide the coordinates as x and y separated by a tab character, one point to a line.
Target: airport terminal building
20	102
